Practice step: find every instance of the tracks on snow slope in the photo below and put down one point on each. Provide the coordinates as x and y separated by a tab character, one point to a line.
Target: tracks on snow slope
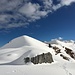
64	67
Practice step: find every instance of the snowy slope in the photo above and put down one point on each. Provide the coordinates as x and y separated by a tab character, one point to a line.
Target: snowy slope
13	53
23	41
62	45
44	69
17	49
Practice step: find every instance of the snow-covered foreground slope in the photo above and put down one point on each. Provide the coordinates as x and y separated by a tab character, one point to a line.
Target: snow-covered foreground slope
12	57
44	69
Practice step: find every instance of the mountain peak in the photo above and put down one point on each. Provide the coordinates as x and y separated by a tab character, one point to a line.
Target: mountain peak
23	41
24	36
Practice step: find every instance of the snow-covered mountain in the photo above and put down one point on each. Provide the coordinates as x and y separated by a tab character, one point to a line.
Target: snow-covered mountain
14	52
17	49
23	41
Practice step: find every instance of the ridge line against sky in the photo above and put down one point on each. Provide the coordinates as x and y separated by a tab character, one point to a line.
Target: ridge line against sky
19	13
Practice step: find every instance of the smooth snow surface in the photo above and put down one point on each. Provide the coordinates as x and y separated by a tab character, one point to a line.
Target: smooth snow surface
44	69
23	41
13	53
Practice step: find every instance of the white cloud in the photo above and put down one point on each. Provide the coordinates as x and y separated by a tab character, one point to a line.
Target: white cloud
29	9
9	4
60	38
55	7
32	11
47	4
2	18
62	3
18	13
67	2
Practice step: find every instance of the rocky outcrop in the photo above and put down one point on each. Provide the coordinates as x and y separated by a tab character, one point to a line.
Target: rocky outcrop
27	59
49	45
43	58
57	50
64	57
70	52
39	59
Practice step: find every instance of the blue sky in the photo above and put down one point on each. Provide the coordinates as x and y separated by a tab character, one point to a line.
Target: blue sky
41	19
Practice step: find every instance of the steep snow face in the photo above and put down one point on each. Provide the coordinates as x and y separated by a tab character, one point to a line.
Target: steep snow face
23	41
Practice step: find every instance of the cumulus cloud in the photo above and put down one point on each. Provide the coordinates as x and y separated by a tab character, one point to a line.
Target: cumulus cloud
29	9
19	13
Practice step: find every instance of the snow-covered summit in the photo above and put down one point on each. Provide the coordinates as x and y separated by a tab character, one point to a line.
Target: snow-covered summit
23	41
17	49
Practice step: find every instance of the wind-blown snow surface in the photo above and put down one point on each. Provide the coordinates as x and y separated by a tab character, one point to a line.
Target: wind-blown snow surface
12	58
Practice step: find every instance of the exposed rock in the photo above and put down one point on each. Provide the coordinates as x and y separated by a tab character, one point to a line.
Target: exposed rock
70	52
42	58
50	46
57	50
48	58
27	59
35	60
64	57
